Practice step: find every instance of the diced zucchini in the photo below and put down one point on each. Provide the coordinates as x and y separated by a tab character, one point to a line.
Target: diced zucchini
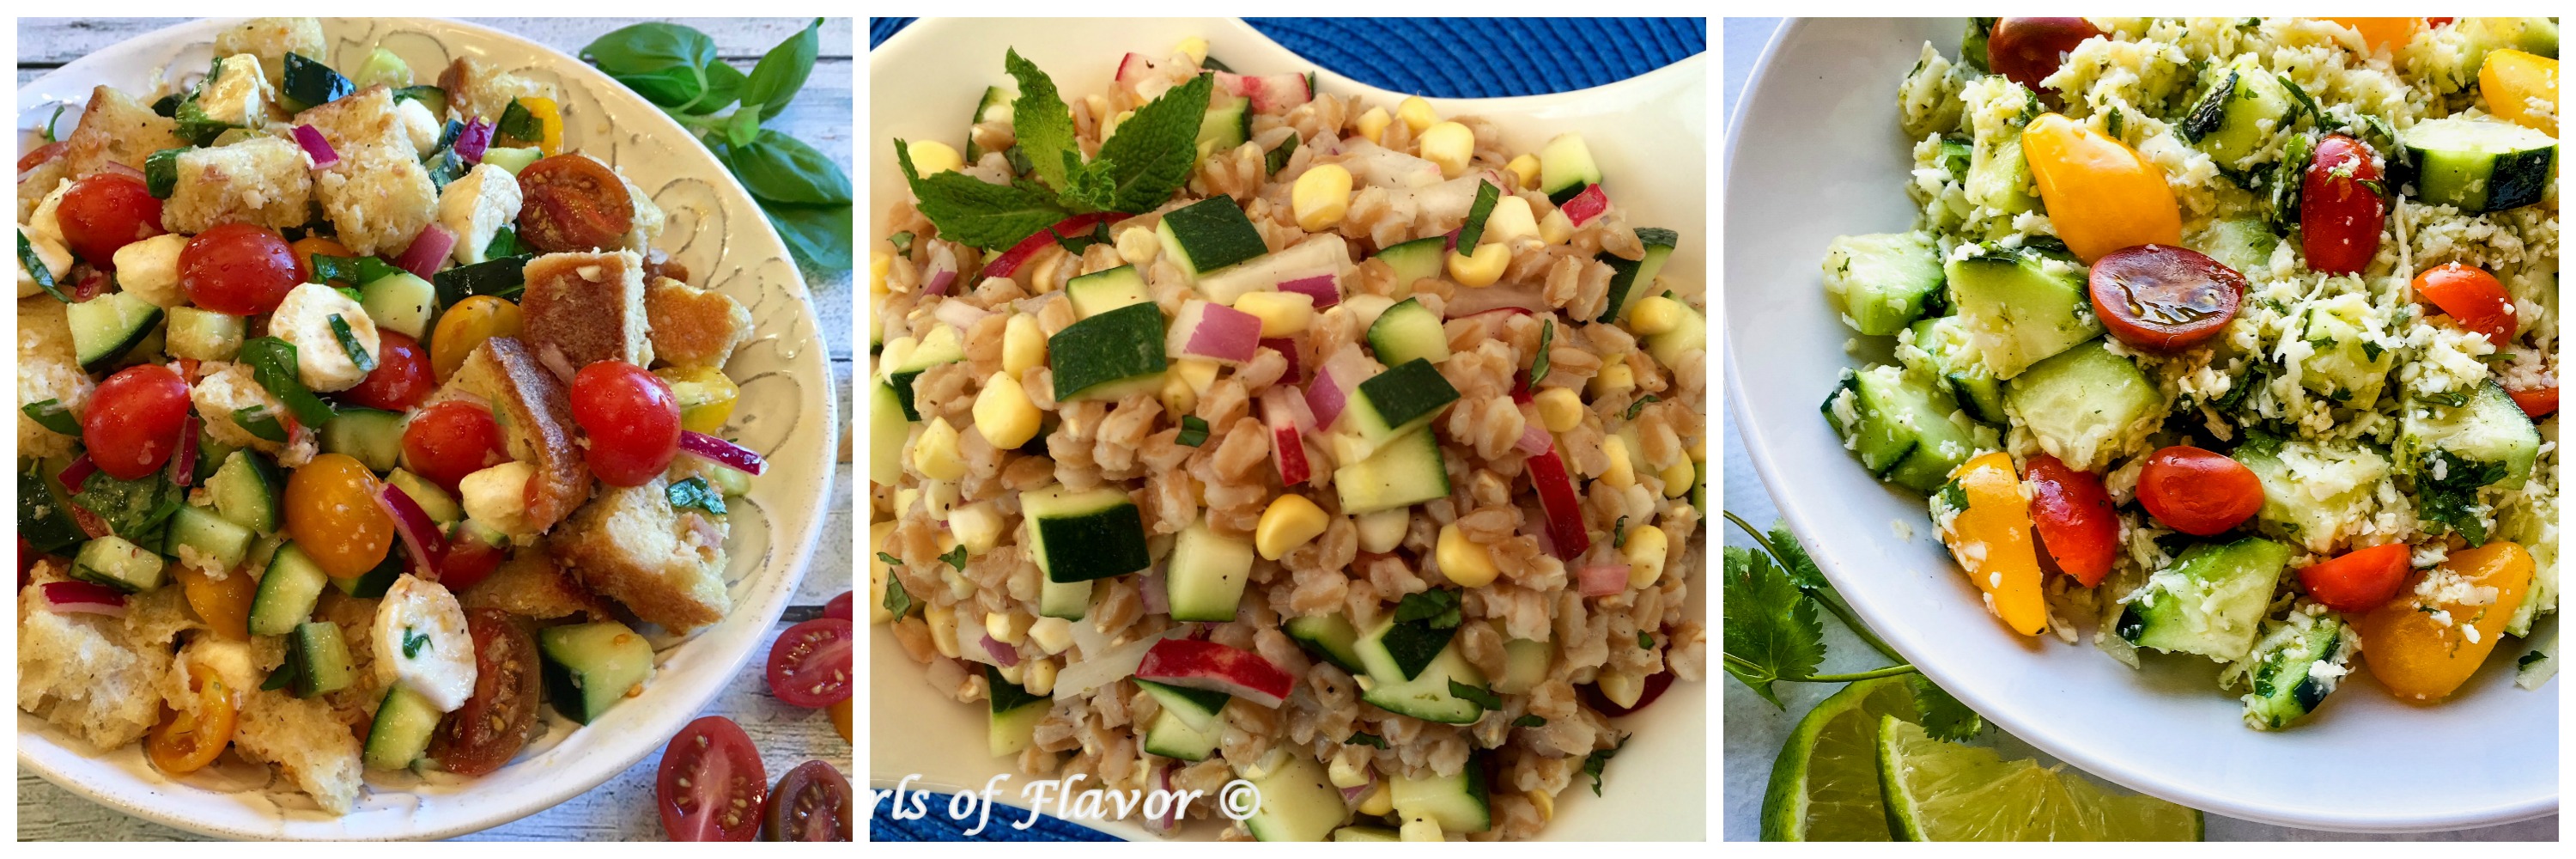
1174	738
995	105
1209	235
1103	291
1329	636
1366	833
2085	404
2210	602
1396	651
1205	573
592	666
1457	802
940	346
1415	260
2021	305
1298	803
1404	398
1629	278
1108	356
1691	333
1014	714
1428	696
1081	536
888	427
2309	507
1906	430
1198	709
1565	168
1408	331
1068	600
1401	473
1225	126
1883	281
1525	665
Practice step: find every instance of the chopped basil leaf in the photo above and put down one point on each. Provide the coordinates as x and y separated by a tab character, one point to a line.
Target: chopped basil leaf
1645	641
349	344
1194	431
898	601
272	363
1530	720
955	557
890	559
262	425
1483	697
1278	155
161	172
53	415
695	492
1619	533
1474	231
36	269
1538	366
1437	606
1364	738
413	643
518	124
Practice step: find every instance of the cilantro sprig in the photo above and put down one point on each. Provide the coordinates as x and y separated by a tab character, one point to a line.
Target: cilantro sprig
1774	634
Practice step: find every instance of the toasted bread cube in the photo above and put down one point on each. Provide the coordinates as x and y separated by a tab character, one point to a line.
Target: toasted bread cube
48	369
81	672
533	584
535	413
475	207
264	180
271	39
694	327
361	120
478	88
582	308
307	741
237	95
38	181
228	388
116	128
665	565
379	197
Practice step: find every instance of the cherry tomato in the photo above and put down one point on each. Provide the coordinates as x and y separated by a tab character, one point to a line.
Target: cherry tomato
573	203
106	211
308	247
224	604
497	721
2381	32
465	326
238	269
401	378
187	740
2438	22
469	561
2423	646
811	803
135	419
2073	516
2340	212
2198	492
331	511
841	718
810	665
2028	50
2163	298
451	439
2359	580
839	607
711	785
631	418
42	154
2536	402
2472	297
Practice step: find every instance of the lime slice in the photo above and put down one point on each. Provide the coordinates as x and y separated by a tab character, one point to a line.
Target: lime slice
1824	785
1940	791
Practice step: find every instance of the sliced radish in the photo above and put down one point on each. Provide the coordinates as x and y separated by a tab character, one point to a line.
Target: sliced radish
1534	438
1287	442
1010	260
1287	348
84	598
1134	66
1587	205
1564	508
1206	329
1601	580
1103	666
1341	373
1325	289
1216	667
1269	93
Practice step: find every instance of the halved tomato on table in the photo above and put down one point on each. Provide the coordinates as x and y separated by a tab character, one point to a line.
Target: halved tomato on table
711	785
810	803
810	666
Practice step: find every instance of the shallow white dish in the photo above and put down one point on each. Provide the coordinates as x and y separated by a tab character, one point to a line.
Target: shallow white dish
786	414
1816	135
1652	127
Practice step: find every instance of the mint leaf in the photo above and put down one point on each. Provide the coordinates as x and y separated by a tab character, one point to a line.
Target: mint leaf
1153	151
1771	630
1092	188
980	213
1043	125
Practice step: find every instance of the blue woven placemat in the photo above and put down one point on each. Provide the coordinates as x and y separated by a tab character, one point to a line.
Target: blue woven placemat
938	824
1471	57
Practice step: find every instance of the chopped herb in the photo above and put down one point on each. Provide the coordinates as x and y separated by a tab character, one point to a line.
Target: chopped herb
519	124
53	415
1437	606
1474	230
1278	155
1538	366
260	423
1645	640
1640	405
1483	697
2371	350
414	643
1594	762
2117	122
505	243
902	242
898	601
50	120
890	559
1076	244
286	672
1364	738
37	270
2528	658
955	557
161	172
1530	720
1954	496
272	363
138	510
1194	431
1619	533
695	492
348	338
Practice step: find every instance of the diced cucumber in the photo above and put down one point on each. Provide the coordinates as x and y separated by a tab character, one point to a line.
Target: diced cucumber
204	334
2309	511
1415	260
106	327
1110	355
2345	366
321	658
371	436
2479	165
1209	235
1081	536
940	346
2243	244
211	454
1103	291
2210	602
1962	370
117	563
1366	833
1401	473
1407	331
1428	696
247	489
208	537
2085	403
512	158
1690	333
1457	802
2283	670
44	510
1998	174
441	507
402	302
1298	803
2236	117
1068	600
1204	574
1174	738
1199	709
1883	281
1565	168
2487	431
1329	636
1404	398
2021	305
378	579
592	666
404	724
287	592
1014	714
1396	651
888	426
1630	278
996	104
1906	430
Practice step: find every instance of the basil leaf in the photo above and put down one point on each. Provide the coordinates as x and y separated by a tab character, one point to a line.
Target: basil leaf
724	87
1474	230
1538	366
956	558
505	243
1619	533
1278	155
669	87
328	268
42	274
1530	720
1364	738
819	236
516	123
1041	121
168	106
161	172
744	126
780	168
897	600
782	71
413	643
1154	150
1194	431
349	344
138	510
262	425
272	363
890	559
53	415
695	492
650	47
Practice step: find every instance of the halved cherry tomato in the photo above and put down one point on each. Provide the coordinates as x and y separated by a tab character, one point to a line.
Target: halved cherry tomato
2101	195
469	560
497	721
631	419
224	604
2198	492
711	785
2164	298
2423	646
135	419
331	511
810	665
839	607
238	269
106	211
2028	50
401	378
2359	580
2074	519
308	247
2438	22
465	326
2473	298
2536	402
187	740
573	203
2381	32
2340	211
42	154
451	439
811	803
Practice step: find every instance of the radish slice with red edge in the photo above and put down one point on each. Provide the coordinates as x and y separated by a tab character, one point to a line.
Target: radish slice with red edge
183	465
1216	667
725	453
427	251
1601	580
324	158
1564	508
1287	443
1133	66
1330	391
84	598
1206	329
1010	260
420	534
1324	288
1587	205
1103	666
471	142
1287	348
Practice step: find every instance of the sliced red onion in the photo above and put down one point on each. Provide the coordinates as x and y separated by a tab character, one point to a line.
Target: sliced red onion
1564	508
84	598
1324	288
725	453
1351	795
1601	580
1587	205
1287	443
311	139
1103	667
1003	654
471	142
939	282
1206	329
1534	438
1287	348
958	314
183	465
120	168
78	472
420	534
427	251
942	271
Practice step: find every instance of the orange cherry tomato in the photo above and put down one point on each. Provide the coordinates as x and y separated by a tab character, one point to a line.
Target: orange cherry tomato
331	511
2382	32
466	326
224	603
2198	492
1991	540
187	740
2536	402
2102	195
2074	519
308	247
2473	298
2359	580
2422	645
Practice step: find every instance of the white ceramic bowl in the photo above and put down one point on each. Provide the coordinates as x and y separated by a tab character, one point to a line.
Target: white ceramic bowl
786	414
1815	139
1651	129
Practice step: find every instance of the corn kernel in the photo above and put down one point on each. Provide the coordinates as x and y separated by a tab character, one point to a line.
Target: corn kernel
1138	246
931	156
1004	414
1177	396
943	628
1345	773
1051	634
1449	145
1559	409
1416	113
1040	678
1621	687
1645	551
1282	313
1615	377
1289	523
1678	478
1380	801
897	351
978	526
1525	169
1023	346
1482	269
879	262
1372	124
1383	530
1544	801
1653	314
1555	228
1010	673
1007	627
1463	561
903	499
880	539
1422	829
1321	197
935	453
1621	474
1511	219
1195	47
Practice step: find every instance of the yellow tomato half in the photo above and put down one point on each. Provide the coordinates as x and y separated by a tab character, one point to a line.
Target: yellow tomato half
332	513
2102	196
2427	641
1992	541
466	326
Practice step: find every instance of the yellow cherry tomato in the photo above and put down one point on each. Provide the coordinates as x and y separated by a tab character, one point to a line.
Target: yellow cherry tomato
308	247
466	326
2101	195
2513	80
187	740
841	719
331	512
2427	641
2382	32
706	396
224	603
1992	540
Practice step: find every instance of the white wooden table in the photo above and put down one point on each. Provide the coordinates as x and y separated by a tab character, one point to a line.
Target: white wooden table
622	808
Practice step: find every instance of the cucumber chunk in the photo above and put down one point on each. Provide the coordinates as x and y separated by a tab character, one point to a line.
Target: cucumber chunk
2085	404
106	327
1068	600
402	729
2479	165
117	563
2021	305
210	540
1428	696
204	334
2293	669
372	436
940	346
1013	714
1565	168
2239	113
1081	536
1906	430
402	302
321	659
592	666
2210	602
1329	636
1883	281
248	490
1173	737
287	592
1415	260
1948	355
1403	399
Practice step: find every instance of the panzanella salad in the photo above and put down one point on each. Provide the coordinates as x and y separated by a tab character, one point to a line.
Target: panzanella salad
358	418
2231	339
1224	429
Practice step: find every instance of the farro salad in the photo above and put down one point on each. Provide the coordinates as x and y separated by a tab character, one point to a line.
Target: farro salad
2232	339
1363	460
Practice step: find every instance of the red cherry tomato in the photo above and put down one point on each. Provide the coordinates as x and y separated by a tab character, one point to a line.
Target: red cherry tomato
450	440
238	269
2163	298
42	154
2359	580
2438	22
811	803
2028	50
2536	402
401	378
107	211
839	607
2340	212
2198	492
2073	516
632	420
135	420
2472	297
469	561
573	204
497	721
711	785
810	665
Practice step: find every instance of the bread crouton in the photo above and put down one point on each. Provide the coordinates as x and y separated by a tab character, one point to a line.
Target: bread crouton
264	180
694	327
378	196
116	128
476	207
39	181
361	120
271	39
582	308
306	740
237	94
533	584
478	88
227	388
155	618
665	565
82	673
48	369
535	413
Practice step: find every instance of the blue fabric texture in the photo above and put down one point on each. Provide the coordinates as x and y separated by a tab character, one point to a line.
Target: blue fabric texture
937	825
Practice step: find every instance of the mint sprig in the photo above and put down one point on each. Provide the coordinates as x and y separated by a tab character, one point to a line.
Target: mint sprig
976	212
1041	121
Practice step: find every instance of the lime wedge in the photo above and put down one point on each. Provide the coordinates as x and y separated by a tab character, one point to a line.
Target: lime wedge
1940	791
1824	785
